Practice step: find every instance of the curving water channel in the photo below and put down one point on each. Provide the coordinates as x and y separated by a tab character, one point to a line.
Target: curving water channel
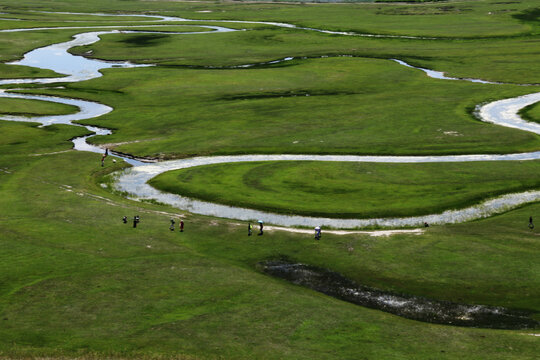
56	57
133	181
408	306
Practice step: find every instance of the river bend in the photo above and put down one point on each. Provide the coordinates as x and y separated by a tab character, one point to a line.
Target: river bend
133	181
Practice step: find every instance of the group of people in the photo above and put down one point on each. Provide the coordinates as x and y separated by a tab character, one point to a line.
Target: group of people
180	226
261	227
261	232
136	220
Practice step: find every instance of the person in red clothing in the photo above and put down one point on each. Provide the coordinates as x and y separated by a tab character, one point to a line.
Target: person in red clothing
181	225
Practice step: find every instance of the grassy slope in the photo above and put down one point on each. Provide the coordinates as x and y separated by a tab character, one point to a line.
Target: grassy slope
105	291
75	281
346	190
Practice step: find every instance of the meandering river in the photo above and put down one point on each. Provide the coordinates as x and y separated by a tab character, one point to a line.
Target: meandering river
133	181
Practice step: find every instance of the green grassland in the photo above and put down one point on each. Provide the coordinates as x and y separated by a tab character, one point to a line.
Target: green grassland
453	19
531	113
34	107
345	190
511	60
75	282
16	72
355	106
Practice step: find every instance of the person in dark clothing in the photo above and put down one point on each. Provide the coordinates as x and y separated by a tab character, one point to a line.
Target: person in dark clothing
317	233
172	225
136	220
531	225
124	219
181	225
261	226
104	156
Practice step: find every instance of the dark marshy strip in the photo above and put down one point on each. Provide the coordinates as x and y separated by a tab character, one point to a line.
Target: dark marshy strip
408	306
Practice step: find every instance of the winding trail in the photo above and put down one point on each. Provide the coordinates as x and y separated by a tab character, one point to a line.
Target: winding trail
77	68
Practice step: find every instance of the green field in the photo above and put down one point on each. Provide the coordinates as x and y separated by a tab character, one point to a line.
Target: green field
75	282
353	107
30	107
345	190
531	113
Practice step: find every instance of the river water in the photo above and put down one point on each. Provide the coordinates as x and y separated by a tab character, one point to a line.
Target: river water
133	181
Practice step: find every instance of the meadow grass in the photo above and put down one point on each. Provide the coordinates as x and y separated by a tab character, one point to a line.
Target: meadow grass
330	106
456	19
77	282
501	59
34	107
351	190
531	113
15	72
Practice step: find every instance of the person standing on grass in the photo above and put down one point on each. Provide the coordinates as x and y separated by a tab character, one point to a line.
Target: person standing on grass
250	229
531	225
317	233
124	219
261	226
181	225
104	156
172	225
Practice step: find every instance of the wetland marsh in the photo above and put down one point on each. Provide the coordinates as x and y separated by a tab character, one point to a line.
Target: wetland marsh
76	282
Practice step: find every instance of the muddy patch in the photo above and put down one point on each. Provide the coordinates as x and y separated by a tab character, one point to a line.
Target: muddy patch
410	307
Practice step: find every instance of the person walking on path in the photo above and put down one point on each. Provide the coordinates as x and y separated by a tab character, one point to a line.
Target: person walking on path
531	225
250	229
261	226
317	233
172	225
181	225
